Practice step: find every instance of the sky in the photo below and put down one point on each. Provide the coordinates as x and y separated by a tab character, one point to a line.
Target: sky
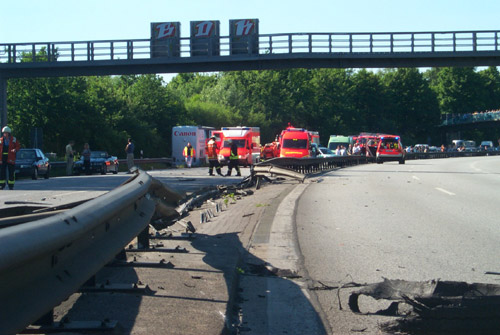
83	20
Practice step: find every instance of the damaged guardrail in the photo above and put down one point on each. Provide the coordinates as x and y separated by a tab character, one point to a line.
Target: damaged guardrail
43	262
298	168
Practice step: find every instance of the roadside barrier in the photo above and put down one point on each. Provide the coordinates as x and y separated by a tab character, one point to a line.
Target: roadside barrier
299	168
43	262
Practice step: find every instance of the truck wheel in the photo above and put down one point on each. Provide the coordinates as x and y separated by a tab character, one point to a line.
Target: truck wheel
401	161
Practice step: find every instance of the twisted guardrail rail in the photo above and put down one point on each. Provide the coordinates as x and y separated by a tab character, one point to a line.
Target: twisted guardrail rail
43	262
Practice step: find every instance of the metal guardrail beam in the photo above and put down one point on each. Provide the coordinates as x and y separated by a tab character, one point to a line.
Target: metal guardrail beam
309	165
43	262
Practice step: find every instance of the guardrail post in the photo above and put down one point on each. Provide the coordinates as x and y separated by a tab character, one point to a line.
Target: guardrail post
3	100
474	41
433	37
330	44
143	239
350	43
33	53
392	43
111	50
72	52
310	44
371	43
290	47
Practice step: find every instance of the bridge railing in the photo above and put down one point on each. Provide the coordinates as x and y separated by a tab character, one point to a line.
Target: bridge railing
268	44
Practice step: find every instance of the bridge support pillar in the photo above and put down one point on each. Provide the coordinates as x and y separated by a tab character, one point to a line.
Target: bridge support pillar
3	101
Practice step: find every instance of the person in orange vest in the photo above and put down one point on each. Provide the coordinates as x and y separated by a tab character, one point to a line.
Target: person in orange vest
188	153
9	146
212	151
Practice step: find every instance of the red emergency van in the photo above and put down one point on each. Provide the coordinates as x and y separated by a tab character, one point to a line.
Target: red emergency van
247	140
295	142
390	149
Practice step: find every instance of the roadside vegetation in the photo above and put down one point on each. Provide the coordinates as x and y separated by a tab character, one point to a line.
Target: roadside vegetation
104	111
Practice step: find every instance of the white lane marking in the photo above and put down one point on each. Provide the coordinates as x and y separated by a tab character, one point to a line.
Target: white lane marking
64	194
415	177
444	191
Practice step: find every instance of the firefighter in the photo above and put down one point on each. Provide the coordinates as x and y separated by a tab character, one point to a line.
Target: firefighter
212	151
233	159
9	146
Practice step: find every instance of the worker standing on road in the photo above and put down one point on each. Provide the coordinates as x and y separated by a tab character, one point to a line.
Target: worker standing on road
188	154
212	151
9	146
129	149
86	158
233	159
69	158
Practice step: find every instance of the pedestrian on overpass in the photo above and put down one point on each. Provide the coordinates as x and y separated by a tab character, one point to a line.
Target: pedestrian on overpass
9	146
212	151
70	153
129	149
233	159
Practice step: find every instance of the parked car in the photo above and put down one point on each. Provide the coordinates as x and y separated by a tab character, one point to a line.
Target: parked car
32	163
486	146
100	162
325	152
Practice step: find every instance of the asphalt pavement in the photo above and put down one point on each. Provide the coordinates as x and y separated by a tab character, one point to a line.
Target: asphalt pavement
425	220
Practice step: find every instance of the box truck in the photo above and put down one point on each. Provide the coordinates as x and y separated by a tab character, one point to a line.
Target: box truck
196	135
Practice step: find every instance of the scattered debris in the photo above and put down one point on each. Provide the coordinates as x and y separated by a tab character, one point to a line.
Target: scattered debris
436	306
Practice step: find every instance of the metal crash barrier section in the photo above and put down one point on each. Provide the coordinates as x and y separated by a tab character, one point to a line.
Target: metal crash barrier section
43	262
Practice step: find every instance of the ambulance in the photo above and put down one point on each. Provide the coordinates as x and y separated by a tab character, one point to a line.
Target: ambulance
247	140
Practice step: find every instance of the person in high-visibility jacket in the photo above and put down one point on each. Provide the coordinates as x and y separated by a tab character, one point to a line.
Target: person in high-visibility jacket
212	151
188	154
233	159
9	146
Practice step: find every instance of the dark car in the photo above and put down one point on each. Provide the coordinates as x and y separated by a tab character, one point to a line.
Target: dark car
100	162
32	163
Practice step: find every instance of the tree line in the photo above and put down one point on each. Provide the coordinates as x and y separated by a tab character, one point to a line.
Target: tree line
105	111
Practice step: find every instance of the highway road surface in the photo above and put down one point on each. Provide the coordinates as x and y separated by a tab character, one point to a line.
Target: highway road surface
61	190
427	219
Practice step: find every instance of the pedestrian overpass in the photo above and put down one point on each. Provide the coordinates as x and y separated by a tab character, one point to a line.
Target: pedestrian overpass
265	52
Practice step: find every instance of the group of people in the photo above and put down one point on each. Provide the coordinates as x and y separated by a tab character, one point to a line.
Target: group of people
489	115
86	154
212	150
70	158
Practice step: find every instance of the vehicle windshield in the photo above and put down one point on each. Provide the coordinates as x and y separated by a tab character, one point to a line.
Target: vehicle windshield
295	144
239	143
98	154
326	151
26	154
334	145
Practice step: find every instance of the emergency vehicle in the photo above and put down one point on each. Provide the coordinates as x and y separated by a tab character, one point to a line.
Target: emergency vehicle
247	140
270	150
296	142
336	140
390	149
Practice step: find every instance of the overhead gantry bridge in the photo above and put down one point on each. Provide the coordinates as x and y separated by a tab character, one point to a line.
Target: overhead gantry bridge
265	52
